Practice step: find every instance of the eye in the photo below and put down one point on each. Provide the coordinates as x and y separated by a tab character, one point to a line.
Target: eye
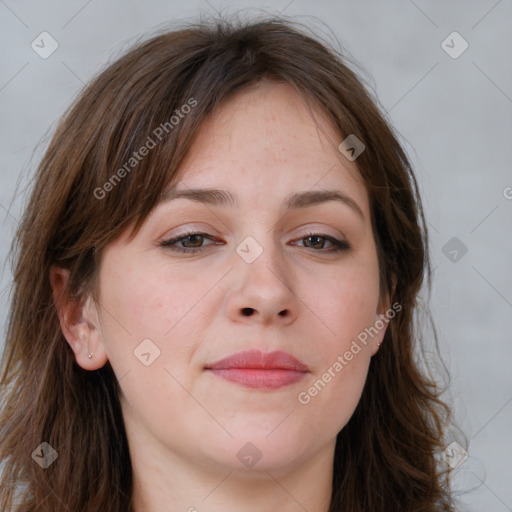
317	241
192	242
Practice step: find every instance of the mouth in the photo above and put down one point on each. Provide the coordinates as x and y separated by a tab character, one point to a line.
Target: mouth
256	370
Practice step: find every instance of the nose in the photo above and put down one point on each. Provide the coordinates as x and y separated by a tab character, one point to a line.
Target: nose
263	291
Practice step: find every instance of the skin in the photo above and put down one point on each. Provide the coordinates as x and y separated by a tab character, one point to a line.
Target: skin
185	426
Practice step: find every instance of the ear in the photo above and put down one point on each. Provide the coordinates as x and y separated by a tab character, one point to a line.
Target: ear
79	322
382	317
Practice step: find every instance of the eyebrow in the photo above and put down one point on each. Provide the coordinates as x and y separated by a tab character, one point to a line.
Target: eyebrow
219	197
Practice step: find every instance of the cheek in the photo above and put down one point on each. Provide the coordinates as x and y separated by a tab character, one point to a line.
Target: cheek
348	303
152	302
347	306
332	393
150	299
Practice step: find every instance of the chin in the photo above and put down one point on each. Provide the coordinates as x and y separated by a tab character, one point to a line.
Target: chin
252	453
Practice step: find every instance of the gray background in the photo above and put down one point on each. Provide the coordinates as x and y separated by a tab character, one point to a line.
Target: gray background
455	119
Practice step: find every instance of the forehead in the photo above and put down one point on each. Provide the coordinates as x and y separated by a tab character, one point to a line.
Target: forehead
263	144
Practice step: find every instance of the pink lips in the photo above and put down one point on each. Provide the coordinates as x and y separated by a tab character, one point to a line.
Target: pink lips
256	370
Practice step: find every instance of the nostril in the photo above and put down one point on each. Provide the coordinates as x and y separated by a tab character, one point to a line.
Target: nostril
283	313
247	311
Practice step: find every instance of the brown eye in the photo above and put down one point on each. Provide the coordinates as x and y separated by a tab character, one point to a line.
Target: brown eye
193	241
317	242
190	242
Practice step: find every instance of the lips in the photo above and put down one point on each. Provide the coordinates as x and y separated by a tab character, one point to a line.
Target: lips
257	370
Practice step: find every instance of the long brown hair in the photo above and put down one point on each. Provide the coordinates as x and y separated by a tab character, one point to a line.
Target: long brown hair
386	457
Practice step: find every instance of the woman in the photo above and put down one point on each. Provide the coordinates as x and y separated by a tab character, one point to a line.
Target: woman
215	283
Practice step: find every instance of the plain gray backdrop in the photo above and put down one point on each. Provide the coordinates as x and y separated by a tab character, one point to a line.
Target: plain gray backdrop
451	105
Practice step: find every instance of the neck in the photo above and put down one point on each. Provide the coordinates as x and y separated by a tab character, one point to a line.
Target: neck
166	482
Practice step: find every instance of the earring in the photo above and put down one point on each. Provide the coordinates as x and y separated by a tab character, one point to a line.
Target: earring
90	355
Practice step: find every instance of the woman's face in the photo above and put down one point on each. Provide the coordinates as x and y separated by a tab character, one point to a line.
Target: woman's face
264	275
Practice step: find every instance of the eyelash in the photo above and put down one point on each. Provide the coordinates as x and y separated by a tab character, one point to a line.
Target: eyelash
338	245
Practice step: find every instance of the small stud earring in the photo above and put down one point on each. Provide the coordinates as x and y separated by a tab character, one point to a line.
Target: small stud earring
89	356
